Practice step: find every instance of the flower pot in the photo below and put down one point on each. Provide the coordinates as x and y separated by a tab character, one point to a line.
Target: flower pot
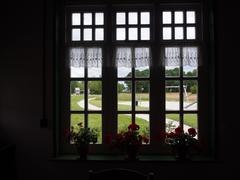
82	150
181	153
132	152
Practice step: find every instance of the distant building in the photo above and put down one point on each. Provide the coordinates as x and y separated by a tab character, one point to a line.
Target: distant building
77	91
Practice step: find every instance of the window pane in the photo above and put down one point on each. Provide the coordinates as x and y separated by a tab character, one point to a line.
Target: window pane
99	19
190	120
142	62
95	123
87	18
87	34
76	19
76	35
191	17
95	95
124	95
76	56
120	34
94	62
172	95
99	36
75	120
167	17
124	62
121	18
132	34
145	18
190	94
142	95
191	33
77	95
172	122
190	61
145	33
178	17
124	120
172	62
178	31
143	121
132	18
167	33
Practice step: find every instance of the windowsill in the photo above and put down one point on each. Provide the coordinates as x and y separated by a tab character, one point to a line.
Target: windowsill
120	158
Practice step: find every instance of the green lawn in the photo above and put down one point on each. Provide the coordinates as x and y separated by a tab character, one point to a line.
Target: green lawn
189	119
74	101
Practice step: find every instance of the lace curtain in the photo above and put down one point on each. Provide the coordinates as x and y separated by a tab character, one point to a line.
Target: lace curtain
92	57
189	56
129	57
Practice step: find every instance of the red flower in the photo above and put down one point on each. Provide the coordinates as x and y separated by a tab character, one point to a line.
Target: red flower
145	140
133	127
192	132
179	130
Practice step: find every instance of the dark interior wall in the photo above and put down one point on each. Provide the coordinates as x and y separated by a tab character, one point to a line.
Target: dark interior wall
21	99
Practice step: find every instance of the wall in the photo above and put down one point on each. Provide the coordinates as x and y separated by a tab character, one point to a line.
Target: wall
21	99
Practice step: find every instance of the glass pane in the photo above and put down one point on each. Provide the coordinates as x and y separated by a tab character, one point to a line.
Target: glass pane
132	34
99	36
77	95
143	121
172	90
76	19
95	95
95	123
167	33
87	34
142	62
190	121
178	17
76	35
124	120
167	17
94	62
124	62
145	33
145	18
172	62
178	31
76	119
124	95
142	95
77	62
191	33
121	34
172	122
191	17
190	94
132	18
190	61
87	18
121	18
99	19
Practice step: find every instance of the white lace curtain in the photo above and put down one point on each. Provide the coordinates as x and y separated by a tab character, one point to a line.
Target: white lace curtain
129	57
92	57
189	56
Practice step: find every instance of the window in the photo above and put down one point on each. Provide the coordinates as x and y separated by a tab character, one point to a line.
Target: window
127	63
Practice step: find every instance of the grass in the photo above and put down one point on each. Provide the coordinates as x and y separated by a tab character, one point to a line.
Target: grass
74	101
189	119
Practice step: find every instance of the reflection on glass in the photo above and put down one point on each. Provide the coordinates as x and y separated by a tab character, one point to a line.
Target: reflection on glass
172	96
87	18
166	17
132	34
190	120
191	17
191	33
95	95
121	18
87	34
120	34
190	95
143	121
172	122
132	18
95	123
99	36
145	33
145	18
124	95
76	35
76	19
167	33
77	95
178	32
99	19
142	95
123	122
178	17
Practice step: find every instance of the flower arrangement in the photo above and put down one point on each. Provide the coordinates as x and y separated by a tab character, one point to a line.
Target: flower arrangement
181	141
130	141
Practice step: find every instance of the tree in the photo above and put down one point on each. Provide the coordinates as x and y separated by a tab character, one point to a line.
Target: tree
121	87
95	87
76	84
